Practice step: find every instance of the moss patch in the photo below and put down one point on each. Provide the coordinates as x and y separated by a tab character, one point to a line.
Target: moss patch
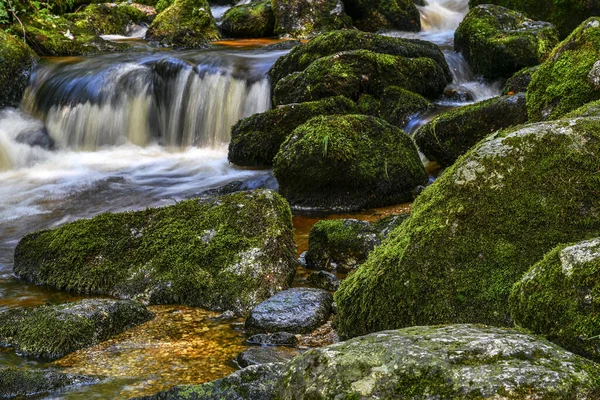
17	61
375	15
105	19
21	382
252	20
304	19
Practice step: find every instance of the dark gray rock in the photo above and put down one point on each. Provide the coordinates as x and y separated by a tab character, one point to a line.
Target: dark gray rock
265	355
275	339
520	81
20	382
297	310
324	280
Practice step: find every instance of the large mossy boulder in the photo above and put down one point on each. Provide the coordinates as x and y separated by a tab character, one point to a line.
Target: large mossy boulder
570	77
559	298
17	61
184	24
304	19
474	232
348	162
53	331
334	42
254	20
358	72
375	15
226	253
453	362
24	382
256	140
565	15
108	18
452	133
396	105
497	42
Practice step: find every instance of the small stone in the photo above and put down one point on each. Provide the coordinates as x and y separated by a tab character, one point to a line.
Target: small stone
265	355
275	339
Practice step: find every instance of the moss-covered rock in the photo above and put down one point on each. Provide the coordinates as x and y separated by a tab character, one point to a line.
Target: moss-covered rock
520	81
566	81
475	231
375	15
226	253
23	382
61	37
162	5
17	61
453	362
184	24
303	19
108	18
396	105
559	298
334	42
497	42
565	15
324	280
348	162
357	72
53	331
255	382
340	245
452	133
589	110
256	140
254	20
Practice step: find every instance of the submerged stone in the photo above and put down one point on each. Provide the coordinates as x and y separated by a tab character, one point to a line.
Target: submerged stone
452	133
17	63
224	253
53	331
477	229
297	310
558	298
497	42
304	19
448	362
24	382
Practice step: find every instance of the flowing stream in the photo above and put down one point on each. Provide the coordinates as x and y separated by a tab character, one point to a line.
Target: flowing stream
143	129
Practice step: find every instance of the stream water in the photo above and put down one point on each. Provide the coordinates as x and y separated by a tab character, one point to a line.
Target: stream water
143	129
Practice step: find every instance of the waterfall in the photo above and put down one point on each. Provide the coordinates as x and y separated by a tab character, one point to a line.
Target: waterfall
442	15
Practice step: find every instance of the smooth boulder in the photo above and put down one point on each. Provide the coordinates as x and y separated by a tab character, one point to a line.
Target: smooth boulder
348	162
558	298
497	42
297	310
254	20
17	61
375	15
303	19
258	355
223	253
53	331
452	133
477	229
396	105
449	362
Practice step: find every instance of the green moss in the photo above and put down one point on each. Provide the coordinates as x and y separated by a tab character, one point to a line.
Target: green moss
452	133
396	105
256	140
184	24
497	42
304	19
359	72
520	81
348	162
334	42
51	332
565	15
375	15
17	61
229	253
21	382
252	20
559	298
589	110
562	83
475	231
162	5
105	19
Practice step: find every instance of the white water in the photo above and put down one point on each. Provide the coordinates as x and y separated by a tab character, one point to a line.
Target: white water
135	32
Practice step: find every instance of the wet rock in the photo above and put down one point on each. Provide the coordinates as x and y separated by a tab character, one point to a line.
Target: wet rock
224	253
475	231
265	355
358	72
36	138
254	20
298	310
303	19
256	140
266	181
520	81
452	133
557	298
184	24
396	106
274	339
562	83
347	162
108	18
283	45
450	362
252	383
53	331
347	40
324	280
497	42
18	61
386	225
23	382
376	15
591	109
